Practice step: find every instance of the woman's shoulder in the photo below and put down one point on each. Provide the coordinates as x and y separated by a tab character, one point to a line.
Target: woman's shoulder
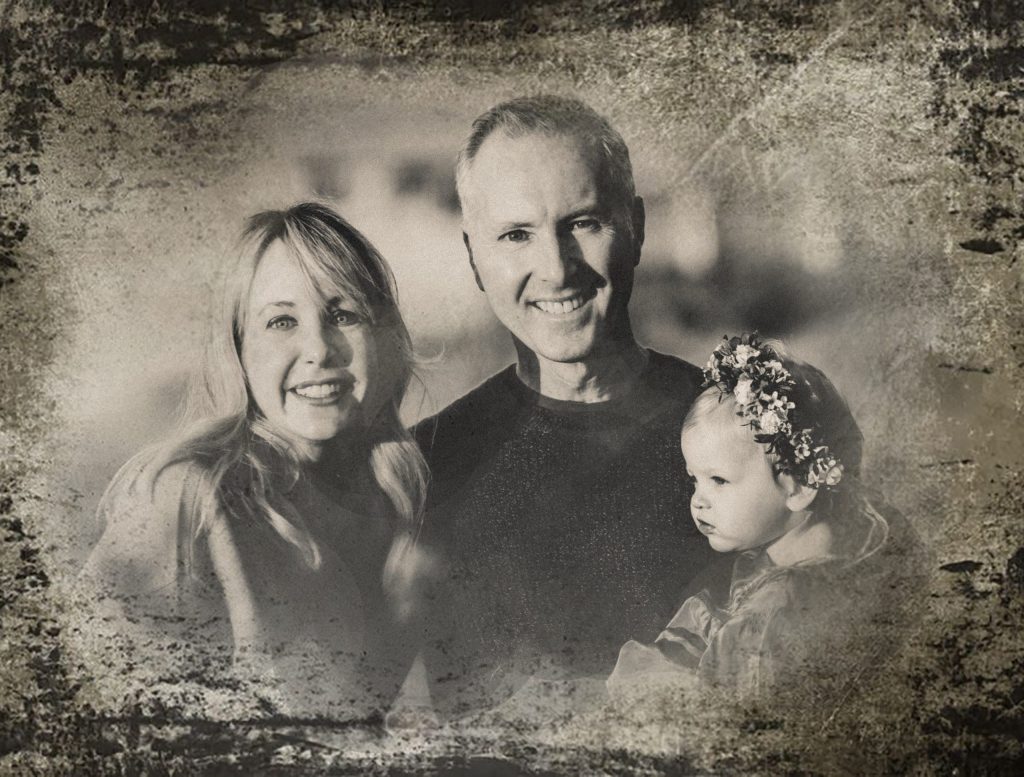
146	519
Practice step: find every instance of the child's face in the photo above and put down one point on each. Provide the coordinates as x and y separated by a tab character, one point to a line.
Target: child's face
738	502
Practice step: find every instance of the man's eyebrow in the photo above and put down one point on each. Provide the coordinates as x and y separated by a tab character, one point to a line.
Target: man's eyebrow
591	209
505	226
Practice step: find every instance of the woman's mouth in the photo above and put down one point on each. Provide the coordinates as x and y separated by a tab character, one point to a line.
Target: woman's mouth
320	392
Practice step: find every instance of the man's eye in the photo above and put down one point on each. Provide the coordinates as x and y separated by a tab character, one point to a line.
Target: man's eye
516	236
342	317
586	225
281	322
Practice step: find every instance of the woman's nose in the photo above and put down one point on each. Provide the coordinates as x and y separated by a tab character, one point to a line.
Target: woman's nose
322	344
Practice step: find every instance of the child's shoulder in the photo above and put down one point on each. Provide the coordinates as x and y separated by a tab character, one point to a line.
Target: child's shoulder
790	596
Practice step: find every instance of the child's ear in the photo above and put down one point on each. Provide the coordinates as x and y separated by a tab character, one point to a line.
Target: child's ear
798	496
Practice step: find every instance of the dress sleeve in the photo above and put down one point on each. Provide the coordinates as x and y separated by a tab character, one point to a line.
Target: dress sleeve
758	647
151	612
145	552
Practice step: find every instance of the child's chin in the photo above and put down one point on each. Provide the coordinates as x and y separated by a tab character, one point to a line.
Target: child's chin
721	544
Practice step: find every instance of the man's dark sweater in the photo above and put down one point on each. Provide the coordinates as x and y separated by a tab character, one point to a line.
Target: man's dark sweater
565	527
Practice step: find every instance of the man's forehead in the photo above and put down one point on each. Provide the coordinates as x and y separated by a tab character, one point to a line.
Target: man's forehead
510	168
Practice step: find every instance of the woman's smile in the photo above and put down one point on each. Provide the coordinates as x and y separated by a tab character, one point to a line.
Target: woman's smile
322	392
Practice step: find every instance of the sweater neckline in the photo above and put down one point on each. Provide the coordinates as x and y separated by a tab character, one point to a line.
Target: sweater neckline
528	396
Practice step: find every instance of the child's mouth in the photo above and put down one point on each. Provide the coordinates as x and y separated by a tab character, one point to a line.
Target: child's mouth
704	527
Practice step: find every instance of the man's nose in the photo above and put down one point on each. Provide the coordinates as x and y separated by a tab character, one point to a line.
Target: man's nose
559	257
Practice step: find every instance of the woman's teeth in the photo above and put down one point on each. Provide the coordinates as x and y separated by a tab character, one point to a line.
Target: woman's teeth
319	390
562	307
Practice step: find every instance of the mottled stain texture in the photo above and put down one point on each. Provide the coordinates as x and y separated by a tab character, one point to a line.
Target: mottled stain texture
116	117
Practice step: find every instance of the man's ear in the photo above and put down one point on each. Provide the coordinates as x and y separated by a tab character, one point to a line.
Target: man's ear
798	496
639	224
469	252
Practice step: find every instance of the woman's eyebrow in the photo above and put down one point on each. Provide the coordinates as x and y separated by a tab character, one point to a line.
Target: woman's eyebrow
283	303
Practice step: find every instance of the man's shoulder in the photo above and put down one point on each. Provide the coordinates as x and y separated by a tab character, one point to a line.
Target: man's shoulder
672	374
469	415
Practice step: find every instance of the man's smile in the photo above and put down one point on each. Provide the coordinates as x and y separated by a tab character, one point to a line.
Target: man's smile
563	305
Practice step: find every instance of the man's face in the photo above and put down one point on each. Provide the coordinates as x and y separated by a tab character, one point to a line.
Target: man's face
550	248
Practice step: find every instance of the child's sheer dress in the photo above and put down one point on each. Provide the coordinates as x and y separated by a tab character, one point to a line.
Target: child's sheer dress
807	632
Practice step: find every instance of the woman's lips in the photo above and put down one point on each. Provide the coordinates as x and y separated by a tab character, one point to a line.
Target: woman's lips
320	392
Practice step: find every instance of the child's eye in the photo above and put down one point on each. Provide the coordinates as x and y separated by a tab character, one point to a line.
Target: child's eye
342	317
718	480
281	322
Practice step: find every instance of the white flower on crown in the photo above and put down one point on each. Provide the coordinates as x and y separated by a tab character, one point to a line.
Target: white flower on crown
745	353
773	401
834	474
743	392
712	368
771	422
802	446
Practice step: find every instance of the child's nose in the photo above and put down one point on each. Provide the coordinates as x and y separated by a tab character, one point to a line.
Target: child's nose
697	501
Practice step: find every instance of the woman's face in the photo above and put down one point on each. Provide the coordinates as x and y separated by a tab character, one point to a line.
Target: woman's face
312	364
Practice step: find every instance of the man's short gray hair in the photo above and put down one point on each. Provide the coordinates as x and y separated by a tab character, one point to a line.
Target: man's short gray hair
555	116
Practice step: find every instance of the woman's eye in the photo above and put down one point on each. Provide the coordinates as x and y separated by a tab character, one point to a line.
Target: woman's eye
342	317
281	322
516	236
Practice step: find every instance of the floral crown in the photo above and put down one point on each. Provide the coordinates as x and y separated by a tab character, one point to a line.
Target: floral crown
751	371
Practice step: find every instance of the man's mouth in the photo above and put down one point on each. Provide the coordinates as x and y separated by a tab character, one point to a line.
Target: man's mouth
563	305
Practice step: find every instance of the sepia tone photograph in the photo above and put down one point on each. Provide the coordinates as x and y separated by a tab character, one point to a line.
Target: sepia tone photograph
511	388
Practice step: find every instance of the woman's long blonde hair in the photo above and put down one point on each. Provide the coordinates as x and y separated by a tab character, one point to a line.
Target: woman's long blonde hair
243	467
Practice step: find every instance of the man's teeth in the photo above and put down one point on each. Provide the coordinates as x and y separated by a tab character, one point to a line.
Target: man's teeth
565	306
319	391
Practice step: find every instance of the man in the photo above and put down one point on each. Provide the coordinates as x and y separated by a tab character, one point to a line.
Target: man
558	497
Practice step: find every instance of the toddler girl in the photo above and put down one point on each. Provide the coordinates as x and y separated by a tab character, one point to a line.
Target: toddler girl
773	453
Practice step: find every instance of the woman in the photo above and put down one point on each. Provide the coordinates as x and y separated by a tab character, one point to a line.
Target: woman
272	537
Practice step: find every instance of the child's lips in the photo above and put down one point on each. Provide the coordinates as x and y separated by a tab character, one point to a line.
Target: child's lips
703	526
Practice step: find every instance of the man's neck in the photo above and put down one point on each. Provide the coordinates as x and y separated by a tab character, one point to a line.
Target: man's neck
597	379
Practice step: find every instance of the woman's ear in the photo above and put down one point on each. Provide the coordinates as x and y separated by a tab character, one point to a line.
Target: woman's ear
798	496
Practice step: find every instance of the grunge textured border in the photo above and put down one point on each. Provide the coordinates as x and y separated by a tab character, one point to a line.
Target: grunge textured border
954	702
